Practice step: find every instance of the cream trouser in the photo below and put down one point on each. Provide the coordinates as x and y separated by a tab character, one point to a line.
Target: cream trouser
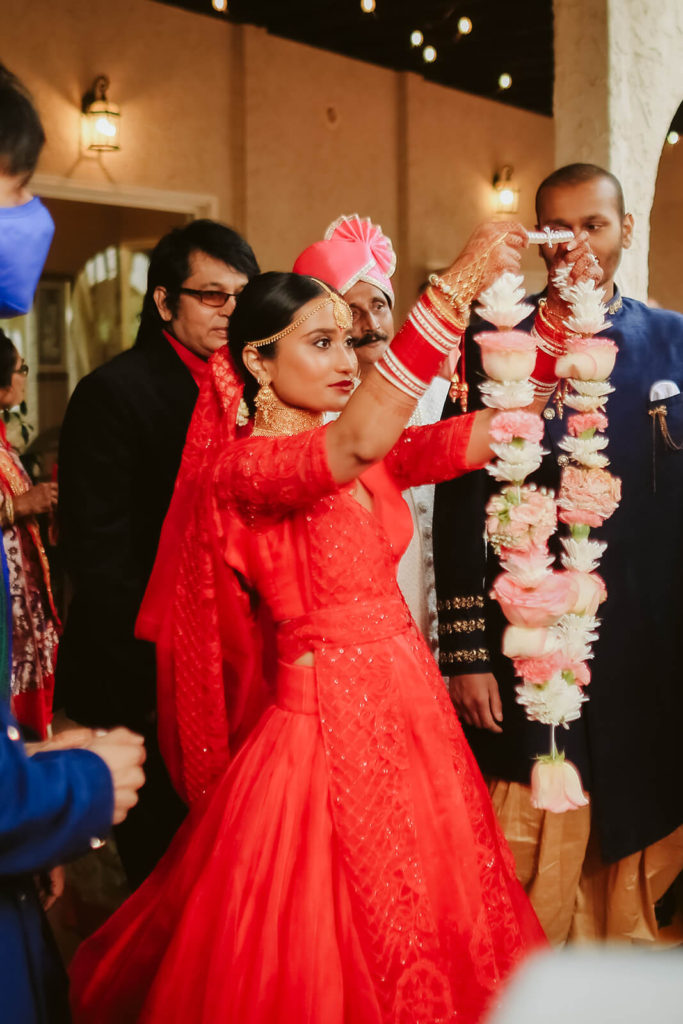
577	896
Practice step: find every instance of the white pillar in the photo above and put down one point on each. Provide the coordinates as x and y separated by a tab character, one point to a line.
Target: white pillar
618	84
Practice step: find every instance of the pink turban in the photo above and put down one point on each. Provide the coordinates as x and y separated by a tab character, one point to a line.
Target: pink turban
354	249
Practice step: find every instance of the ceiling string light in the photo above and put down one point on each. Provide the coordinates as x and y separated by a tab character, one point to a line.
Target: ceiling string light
429	54
505	81
464	26
672	137
416	38
220	5
367	6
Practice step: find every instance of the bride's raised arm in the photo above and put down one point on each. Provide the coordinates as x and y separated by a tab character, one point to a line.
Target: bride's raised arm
309	364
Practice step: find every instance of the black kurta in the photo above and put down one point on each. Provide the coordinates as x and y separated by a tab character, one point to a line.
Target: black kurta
120	449
626	744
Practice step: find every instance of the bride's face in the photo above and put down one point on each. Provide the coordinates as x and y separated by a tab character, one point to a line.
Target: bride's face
315	367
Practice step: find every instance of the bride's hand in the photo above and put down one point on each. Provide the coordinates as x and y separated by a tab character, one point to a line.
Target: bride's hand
492	249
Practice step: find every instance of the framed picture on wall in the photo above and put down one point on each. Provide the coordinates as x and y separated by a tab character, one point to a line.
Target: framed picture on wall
51	309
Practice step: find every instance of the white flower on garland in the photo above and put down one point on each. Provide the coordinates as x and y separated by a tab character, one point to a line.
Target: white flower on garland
597	388
501	303
518	451
584	403
589	311
586	450
588	396
555	703
528	573
577	633
583	555
515	463
506	394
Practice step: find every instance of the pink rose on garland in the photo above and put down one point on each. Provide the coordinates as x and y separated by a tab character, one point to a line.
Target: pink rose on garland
587	359
508	425
556	786
588	591
591	493
543	605
582	422
507	355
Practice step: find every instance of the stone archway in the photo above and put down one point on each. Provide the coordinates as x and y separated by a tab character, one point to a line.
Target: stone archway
618	82
666	228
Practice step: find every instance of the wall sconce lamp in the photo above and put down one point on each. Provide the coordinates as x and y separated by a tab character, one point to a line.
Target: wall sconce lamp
505	191
100	119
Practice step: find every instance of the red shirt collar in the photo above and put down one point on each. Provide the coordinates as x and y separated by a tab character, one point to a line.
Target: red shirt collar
197	366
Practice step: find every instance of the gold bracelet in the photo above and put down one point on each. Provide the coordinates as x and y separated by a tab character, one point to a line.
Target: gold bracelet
8	513
454	315
462	286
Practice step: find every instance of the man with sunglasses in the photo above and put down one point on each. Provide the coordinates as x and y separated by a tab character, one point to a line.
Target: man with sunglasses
120	449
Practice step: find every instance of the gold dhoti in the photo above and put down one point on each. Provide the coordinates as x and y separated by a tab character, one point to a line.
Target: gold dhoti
577	896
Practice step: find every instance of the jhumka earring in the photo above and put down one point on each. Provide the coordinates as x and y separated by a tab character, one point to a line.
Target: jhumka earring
265	399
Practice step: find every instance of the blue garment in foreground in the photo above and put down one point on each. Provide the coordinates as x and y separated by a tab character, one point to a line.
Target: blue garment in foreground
52	804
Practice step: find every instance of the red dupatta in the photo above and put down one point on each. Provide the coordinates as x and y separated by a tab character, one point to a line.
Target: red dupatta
210	682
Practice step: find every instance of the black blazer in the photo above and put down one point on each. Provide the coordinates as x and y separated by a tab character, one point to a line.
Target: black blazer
120	449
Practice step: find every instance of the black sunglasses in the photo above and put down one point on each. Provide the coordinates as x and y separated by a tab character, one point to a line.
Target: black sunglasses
209	298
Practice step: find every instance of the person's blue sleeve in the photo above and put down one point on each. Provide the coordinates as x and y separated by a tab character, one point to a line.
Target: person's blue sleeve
51	805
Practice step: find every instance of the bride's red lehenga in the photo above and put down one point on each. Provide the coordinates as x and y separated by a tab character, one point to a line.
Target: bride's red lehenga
346	867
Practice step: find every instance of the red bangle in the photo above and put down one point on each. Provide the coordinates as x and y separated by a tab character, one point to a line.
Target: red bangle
544	377
418	350
553	339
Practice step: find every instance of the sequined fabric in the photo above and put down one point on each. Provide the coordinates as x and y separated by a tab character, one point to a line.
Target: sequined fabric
346	868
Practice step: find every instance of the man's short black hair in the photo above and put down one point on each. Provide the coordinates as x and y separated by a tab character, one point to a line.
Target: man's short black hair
21	133
577	174
170	261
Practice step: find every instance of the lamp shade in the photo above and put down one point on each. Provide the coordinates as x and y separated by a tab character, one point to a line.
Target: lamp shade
100	120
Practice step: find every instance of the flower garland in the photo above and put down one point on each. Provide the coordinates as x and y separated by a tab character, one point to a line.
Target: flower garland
551	611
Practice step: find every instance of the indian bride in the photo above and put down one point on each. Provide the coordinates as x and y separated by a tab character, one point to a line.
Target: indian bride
341	863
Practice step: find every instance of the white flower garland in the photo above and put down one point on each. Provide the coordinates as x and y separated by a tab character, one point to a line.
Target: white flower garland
551	611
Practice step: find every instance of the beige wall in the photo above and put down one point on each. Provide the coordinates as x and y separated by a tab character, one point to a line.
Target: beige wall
286	137
169	71
326	135
455	142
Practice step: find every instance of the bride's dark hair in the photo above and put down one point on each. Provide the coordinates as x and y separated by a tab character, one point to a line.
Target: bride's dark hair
268	303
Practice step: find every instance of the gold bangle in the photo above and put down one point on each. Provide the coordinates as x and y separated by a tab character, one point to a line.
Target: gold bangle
8	512
453	314
462	286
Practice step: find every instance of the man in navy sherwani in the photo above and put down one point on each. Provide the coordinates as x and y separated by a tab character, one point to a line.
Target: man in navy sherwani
54	802
594	872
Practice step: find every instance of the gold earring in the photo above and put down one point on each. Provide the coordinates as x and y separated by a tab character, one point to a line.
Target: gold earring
265	399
